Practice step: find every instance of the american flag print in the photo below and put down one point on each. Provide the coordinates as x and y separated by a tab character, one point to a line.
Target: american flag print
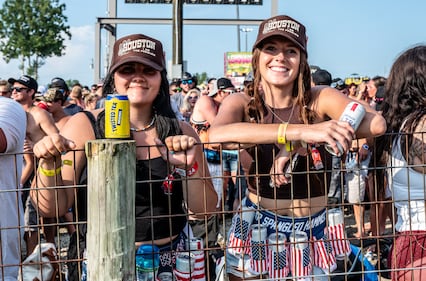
278	262
238	235
258	260
323	255
338	240
300	261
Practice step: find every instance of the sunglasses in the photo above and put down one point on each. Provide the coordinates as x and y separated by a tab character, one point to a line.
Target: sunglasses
18	89
229	91
192	97
184	82
177	90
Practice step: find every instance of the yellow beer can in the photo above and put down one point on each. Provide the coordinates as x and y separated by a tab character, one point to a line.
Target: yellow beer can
117	117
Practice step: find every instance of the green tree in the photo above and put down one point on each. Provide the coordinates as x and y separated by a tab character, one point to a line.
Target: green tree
31	31
201	77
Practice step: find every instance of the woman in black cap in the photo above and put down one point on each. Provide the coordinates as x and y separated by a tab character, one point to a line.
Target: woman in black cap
285	122
138	71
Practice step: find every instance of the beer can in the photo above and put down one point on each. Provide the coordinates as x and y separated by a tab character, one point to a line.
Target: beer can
258	250
185	263
239	234
300	255
337	234
278	256
353	114
195	246
117	117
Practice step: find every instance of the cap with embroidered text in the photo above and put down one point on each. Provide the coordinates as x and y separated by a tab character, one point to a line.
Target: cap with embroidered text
284	26
138	48
26	80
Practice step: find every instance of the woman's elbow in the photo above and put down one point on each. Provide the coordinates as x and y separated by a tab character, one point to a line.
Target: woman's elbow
379	127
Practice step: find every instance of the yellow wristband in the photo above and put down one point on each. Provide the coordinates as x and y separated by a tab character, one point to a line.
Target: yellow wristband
49	173
288	146
282	129
67	162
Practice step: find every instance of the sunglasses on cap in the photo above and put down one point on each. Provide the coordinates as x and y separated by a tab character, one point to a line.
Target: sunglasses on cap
184	82
18	89
229	91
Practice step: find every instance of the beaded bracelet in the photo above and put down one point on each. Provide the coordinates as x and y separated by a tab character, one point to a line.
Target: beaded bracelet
50	173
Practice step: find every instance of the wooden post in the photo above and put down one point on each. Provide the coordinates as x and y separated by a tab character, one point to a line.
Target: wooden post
111	181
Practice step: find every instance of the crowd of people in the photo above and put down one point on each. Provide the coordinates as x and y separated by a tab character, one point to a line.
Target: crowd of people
272	156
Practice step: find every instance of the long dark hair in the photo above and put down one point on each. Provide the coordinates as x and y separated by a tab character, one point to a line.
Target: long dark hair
166	123
404	100
301	90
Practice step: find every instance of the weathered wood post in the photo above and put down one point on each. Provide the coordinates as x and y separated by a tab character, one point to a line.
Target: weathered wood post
111	209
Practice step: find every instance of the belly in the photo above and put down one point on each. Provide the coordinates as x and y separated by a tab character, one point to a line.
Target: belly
291	207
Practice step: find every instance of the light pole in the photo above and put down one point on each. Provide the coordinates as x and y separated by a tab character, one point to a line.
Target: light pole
246	30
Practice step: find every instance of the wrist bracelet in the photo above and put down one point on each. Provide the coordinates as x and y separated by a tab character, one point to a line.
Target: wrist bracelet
282	130
365	146
188	173
50	173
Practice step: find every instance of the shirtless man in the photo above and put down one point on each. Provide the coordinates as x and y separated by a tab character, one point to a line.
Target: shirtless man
39	124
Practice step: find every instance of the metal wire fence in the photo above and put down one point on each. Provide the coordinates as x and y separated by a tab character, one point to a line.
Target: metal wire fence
263	254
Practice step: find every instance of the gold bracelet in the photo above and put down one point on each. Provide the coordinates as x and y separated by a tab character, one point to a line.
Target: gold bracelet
282	129
49	173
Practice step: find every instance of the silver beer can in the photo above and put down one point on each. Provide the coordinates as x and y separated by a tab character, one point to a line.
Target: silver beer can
353	114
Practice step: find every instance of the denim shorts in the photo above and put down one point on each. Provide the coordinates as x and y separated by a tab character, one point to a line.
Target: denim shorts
230	160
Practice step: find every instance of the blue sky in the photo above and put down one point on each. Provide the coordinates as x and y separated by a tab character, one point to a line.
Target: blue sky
345	37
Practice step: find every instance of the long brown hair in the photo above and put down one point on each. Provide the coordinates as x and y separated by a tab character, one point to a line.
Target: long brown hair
256	109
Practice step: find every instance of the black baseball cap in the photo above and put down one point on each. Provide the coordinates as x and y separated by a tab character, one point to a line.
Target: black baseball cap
26	80
60	83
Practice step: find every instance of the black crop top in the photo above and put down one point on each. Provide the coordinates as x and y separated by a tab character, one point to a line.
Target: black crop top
306	181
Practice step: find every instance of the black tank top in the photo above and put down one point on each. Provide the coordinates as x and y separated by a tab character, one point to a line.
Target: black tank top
158	215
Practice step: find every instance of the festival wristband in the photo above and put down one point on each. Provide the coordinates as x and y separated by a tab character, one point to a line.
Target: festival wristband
282	130
50	173
188	173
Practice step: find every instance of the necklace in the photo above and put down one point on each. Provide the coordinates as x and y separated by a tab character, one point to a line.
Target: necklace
146	127
279	118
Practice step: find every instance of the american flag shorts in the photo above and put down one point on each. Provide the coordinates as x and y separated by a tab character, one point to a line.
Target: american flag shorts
280	263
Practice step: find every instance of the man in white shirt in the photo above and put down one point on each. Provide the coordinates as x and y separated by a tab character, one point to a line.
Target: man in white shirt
13	123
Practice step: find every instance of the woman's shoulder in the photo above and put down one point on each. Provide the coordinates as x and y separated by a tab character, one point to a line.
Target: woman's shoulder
238	100
80	125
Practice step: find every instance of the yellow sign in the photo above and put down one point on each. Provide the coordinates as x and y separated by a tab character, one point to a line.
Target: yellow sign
237	63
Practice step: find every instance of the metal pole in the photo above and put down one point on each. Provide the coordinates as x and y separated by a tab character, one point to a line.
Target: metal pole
112	13
238	30
246	40
177	39
274	8
97	62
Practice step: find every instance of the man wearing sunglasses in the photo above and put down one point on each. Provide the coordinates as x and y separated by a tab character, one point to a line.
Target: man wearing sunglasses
188	82
39	124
